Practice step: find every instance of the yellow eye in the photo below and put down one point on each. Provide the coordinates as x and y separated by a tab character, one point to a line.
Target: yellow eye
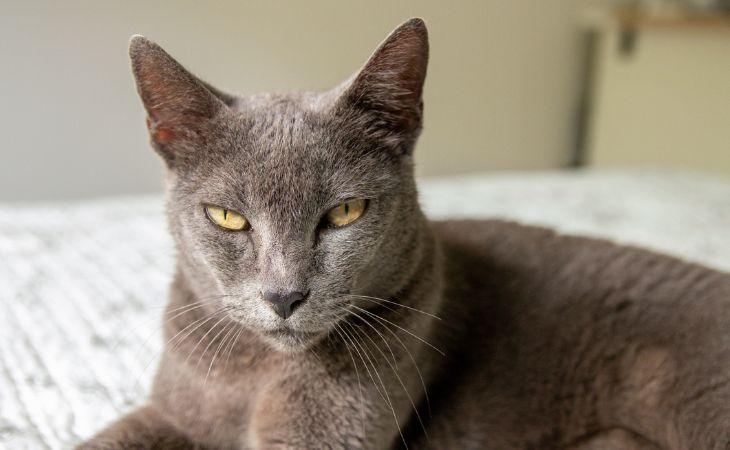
345	213
226	218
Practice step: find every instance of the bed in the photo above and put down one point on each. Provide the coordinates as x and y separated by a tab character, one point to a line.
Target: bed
83	284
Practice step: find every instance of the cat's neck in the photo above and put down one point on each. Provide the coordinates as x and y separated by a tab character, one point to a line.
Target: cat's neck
423	284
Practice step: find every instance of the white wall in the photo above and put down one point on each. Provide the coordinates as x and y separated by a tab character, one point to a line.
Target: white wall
501	90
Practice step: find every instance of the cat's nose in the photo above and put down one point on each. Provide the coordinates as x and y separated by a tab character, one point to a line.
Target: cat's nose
284	303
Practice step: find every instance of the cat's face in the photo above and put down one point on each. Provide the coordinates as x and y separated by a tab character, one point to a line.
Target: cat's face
284	207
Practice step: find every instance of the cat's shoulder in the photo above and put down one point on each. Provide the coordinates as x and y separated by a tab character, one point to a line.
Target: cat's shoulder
496	238
465	231
503	243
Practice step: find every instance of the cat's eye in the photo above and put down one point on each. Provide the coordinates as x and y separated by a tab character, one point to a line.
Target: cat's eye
345	213
226	218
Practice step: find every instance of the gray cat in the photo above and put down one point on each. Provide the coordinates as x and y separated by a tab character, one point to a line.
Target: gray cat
314	306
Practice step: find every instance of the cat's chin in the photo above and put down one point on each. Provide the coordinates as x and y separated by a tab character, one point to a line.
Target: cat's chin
286	340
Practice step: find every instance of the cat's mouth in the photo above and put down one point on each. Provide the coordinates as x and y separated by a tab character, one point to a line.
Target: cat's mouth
288	339
288	332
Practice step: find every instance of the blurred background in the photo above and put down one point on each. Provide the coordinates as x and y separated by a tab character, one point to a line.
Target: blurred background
512	85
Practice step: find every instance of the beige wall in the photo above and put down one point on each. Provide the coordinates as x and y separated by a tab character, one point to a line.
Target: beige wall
500	94
667	103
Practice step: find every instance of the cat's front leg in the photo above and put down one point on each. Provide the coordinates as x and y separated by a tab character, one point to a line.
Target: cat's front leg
142	429
324	413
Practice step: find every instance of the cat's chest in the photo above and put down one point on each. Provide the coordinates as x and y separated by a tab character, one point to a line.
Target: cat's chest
217	407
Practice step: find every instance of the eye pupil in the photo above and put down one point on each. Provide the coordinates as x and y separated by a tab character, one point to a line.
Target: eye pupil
345	213
226	218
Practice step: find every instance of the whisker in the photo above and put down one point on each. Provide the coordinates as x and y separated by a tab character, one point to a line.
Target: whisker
164	322
376	317
415	364
364	347
378	299
312	352
179	312
207	318
367	368
200	302
231	328
234	341
382	305
207	298
190	307
222	310
359	385
199	321
195	347
212	341
413	361
392	354
395	372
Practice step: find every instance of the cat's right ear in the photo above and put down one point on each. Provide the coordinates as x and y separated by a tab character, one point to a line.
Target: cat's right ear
179	106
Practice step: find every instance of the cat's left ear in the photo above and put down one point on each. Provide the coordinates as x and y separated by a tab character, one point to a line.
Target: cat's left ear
179	105
389	87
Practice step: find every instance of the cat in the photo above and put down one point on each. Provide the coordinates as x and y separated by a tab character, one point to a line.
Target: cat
315	306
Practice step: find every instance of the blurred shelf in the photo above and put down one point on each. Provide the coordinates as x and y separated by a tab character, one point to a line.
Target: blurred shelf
597	19
638	19
656	91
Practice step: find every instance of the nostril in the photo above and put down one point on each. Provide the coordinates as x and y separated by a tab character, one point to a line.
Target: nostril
297	302
284	303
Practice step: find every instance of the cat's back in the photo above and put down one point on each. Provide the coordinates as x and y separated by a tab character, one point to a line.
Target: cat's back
539	267
550	337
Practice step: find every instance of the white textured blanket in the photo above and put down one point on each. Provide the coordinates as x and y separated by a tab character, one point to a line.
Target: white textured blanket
82	286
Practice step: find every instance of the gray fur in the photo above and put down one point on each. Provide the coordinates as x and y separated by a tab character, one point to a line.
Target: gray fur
548	341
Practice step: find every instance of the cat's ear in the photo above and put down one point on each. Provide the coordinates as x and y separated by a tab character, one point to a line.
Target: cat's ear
179	106
390	84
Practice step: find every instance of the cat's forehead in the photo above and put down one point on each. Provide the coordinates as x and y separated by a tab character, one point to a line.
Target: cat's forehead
285	135
300	134
280	102
288	150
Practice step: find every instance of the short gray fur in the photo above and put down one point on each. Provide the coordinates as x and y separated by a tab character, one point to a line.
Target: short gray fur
541	341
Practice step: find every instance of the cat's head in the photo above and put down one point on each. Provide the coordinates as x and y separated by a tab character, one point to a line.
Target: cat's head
284	206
